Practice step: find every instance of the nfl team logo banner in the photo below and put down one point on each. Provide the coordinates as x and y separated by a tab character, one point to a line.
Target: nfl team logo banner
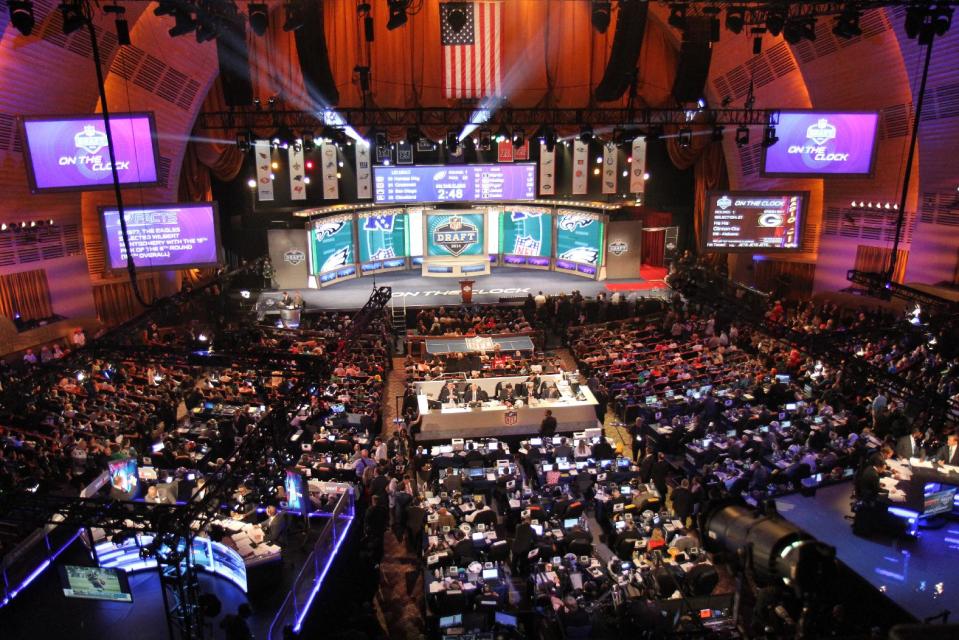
580	167
364	172
522	153
331	186
297	173
504	151
264	183
638	168
610	164
510	417
547	170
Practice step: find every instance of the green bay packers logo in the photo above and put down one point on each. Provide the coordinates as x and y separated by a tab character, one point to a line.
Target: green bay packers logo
455	235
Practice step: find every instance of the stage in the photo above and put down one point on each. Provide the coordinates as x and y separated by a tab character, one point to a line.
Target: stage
918	575
413	290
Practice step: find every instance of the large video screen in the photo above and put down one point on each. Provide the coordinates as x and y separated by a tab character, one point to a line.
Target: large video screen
163	236
454	183
579	239
820	143
332	244
123	475
94	583
69	153
526	233
455	234
383	237
296	498
754	221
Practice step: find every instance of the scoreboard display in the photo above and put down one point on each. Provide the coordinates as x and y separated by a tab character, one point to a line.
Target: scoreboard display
754	221
526	233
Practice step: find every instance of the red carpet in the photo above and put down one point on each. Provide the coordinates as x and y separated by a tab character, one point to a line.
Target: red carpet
650	278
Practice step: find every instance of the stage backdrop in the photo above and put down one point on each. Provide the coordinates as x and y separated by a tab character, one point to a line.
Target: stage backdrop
624	243
288	253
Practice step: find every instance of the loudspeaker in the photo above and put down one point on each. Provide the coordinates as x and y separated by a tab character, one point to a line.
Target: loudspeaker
314	57
233	56
627	43
695	55
671	245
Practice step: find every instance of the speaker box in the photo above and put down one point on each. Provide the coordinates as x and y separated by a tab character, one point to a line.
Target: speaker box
627	43
314	57
233	56
671	244
695	55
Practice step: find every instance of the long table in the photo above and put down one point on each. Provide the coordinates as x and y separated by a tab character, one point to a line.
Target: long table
495	419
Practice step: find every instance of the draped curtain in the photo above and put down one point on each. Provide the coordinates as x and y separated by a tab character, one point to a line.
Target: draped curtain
115	302
793	279
654	243
709	169
25	293
876	260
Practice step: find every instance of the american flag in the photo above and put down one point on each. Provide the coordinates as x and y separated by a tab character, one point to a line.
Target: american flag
470	34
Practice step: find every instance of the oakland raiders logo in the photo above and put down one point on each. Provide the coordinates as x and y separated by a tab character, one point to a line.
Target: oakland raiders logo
618	248
456	235
294	257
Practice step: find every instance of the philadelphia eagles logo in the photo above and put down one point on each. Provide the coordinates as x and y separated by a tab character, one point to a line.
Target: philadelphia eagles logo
328	229
572	223
337	259
582	255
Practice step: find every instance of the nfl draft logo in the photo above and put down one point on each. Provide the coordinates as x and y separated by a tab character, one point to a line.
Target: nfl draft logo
90	140
510	417
724	203
618	248
294	257
821	132
456	235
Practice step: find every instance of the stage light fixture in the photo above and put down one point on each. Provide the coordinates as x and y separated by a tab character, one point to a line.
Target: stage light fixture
398	16
309	141
294	16
796	30
244	141
941	20
757	45
742	136
123	32
183	23
677	16
413	135
718	133
847	24
259	16
519	137
21	15
73	17
735	19
165	8
775	20
585	134
207	30
685	137
769	136
485	140
382	141
602	10
549	140
456	18
452	141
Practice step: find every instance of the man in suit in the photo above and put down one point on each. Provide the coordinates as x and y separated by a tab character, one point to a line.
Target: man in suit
449	393
658	474
602	450
949	454
909	446
548	426
868	486
522	544
682	501
463	548
475	394
507	393
563	450
274	526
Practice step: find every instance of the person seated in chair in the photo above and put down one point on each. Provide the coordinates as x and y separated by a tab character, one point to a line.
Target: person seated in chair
476	394
507	393
274	526
449	393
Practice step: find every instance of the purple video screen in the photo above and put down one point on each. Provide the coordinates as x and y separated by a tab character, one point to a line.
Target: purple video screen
169	236
754	221
454	183
820	143
70	153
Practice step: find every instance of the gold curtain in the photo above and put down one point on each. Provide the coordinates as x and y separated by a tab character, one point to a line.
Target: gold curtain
876	260
771	274
25	293
116	303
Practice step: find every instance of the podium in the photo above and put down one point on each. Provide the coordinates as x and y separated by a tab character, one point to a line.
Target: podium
466	291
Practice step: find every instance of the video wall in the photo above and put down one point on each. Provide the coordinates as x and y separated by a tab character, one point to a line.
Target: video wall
822	144
347	245
754	221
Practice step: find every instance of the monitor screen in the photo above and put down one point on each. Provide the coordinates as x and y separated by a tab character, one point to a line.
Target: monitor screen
490	574
731	433
383	236
538	528
937	499
331	244
504	619
454	183
167	236
451	621
526	233
569	523
69	153
123	475
94	583
754	221
579	239
819	143
296	500
455	234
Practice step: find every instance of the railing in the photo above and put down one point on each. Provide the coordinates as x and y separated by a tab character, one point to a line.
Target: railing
310	580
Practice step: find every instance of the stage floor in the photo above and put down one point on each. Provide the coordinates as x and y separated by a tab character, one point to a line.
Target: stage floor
504	282
919	576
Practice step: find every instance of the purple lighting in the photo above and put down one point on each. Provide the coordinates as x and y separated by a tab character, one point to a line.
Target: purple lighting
36	572
319	581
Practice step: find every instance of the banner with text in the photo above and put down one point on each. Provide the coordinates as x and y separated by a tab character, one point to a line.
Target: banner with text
364	172
547	170
610	164
297	173
504	151
580	167
637	183
264	183
331	186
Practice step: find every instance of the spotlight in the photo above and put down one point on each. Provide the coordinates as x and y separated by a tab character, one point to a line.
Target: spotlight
381	139
245	294
757	45
207	30
309	141
602	9
735	19
244	141
775	21
50	222
769	136
586	134
795	30
685	137
413	135
485	140
21	15
519	137
398	17
718	133
452	141
73	17
677	16
3	226
251	183
549	140
183	23
165	8
502	134
259	16
847	24
294	16
742	136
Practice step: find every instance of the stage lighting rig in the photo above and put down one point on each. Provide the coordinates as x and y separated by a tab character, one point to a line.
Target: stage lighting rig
736	19
259	16
585	134
742	136
519	137
398	13
602	10
685	137
73	16
21	15
677	16
847	24
769	136
183	23
294	16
